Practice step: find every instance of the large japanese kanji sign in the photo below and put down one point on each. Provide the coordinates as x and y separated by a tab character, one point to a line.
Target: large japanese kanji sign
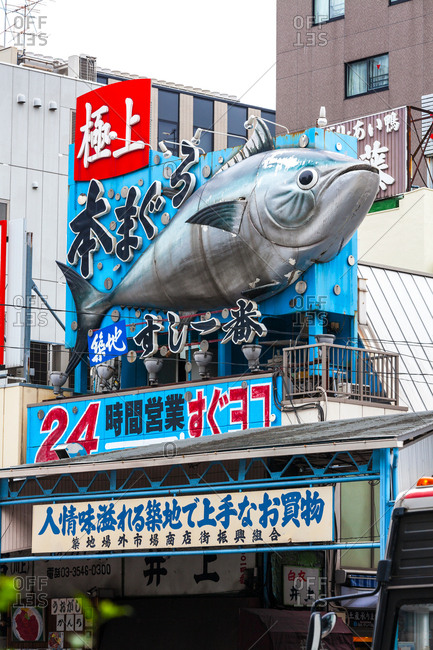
195	521
382	143
150	416
112	130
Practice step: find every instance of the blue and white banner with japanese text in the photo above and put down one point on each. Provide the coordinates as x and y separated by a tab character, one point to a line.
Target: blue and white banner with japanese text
227	519
141	417
107	343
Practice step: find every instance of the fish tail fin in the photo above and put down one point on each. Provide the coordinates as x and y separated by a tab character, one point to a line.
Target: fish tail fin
91	306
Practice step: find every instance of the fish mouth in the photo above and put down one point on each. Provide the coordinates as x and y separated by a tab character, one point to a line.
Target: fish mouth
364	167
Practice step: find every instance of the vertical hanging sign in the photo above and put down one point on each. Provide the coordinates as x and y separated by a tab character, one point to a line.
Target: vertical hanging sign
3	235
112	130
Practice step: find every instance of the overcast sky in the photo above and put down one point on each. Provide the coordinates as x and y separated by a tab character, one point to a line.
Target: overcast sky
226	46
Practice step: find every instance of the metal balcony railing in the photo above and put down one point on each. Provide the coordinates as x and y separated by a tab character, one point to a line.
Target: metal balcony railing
343	372
378	81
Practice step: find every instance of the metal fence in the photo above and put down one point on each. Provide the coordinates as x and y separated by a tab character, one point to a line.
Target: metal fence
343	372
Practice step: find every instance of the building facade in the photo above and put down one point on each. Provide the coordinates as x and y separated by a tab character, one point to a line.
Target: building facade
235	452
354	58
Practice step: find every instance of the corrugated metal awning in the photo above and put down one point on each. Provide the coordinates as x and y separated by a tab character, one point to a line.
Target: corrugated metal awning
360	434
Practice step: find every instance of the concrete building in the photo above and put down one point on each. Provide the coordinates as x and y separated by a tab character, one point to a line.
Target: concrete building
355	58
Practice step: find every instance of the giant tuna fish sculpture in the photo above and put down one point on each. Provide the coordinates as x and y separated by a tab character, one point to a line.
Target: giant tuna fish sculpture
250	231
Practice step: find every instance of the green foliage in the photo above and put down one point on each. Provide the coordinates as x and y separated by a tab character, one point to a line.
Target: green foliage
8	592
108	610
104	611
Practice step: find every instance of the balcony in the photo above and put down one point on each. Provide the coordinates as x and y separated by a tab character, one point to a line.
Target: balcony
341	372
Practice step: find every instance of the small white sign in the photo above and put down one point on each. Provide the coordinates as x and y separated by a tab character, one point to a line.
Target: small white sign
301	586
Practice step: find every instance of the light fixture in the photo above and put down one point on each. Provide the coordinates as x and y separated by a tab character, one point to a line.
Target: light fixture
322	121
57	380
167	153
198	133
252	354
105	373
153	366
196	137
327	339
203	359
250	123
165	150
93	591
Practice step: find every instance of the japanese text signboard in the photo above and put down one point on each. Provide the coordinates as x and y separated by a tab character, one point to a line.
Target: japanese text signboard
152	575
150	416
193	521
382	142
112	130
107	343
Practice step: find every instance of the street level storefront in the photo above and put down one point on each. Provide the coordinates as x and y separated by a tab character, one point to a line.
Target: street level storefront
254	519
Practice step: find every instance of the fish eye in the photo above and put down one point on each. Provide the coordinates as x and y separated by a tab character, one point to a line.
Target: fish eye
307	179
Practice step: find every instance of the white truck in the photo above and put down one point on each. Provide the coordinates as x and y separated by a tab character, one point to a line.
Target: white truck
404	616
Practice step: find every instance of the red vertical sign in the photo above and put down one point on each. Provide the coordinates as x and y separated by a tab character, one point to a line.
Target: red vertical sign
3	234
112	130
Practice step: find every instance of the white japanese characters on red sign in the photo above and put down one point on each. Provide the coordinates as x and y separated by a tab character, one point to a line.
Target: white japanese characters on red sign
112	130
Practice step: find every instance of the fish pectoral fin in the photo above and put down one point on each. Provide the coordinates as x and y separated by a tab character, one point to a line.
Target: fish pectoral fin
226	215
263	289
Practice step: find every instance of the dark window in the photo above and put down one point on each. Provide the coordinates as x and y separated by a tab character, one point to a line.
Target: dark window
269	115
236	118
203	119
168	119
367	76
4	208
73	122
325	10
39	363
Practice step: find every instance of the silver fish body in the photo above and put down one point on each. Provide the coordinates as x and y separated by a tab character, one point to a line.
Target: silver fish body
282	231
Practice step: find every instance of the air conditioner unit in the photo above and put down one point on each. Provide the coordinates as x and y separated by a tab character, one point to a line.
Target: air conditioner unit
346	389
88	68
82	67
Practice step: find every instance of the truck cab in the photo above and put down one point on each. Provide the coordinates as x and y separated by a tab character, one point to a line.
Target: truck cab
404	616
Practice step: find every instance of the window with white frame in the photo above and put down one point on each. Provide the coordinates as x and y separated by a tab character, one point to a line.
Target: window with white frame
325	10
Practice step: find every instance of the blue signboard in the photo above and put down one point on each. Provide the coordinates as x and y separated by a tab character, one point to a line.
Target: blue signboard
107	343
136	418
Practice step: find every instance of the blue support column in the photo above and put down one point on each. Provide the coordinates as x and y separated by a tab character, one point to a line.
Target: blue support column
315	326
395	473
386	501
81	378
224	359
